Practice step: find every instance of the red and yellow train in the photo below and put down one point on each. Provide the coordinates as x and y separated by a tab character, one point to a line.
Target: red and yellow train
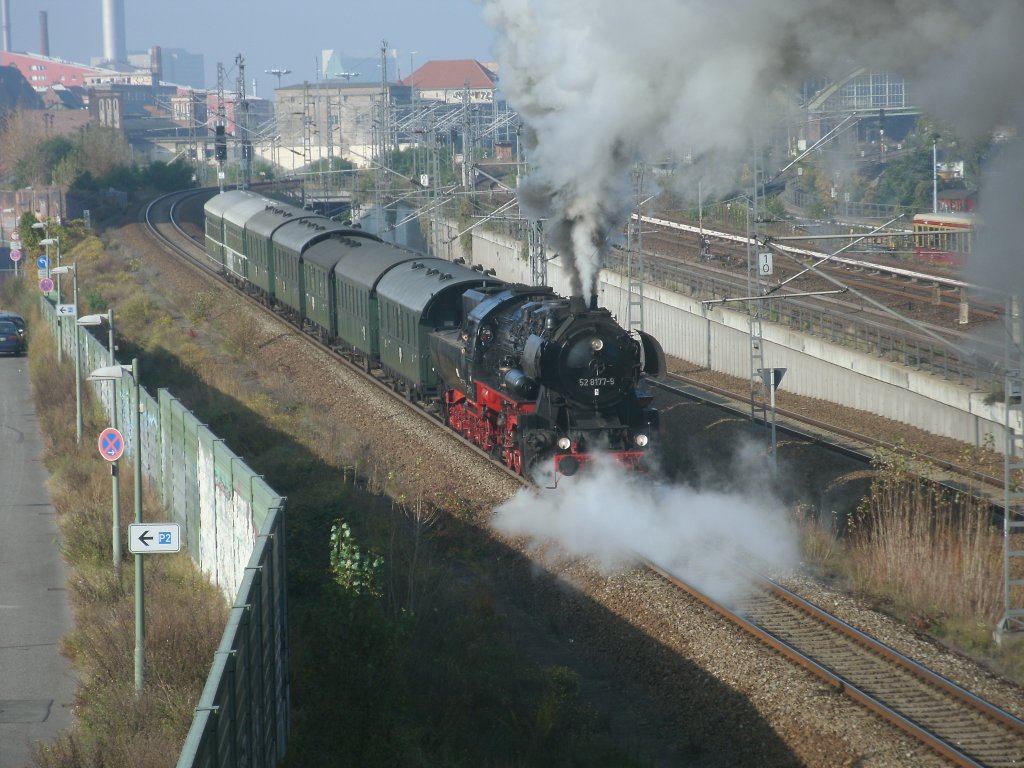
943	238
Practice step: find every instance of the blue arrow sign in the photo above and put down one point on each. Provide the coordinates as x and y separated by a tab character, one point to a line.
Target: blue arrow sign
41	262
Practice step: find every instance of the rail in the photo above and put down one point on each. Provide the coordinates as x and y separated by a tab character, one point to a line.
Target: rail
950	720
830	322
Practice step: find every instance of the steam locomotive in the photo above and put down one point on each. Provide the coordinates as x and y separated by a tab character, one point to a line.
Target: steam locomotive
527	375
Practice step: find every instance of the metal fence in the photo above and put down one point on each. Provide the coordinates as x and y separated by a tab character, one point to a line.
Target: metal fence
232	524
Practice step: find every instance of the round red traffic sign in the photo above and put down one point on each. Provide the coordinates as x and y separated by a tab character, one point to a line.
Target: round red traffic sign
111	444
15	254
46	285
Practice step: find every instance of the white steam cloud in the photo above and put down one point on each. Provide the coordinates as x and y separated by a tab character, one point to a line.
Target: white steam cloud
612	517
602	84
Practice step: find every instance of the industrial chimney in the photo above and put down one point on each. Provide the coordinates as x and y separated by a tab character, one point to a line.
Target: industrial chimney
44	34
115	51
5	25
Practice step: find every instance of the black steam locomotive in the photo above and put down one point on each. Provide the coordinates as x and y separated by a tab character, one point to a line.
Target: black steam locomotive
523	373
530	374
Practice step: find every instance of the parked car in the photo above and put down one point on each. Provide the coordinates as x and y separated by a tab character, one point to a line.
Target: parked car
11	340
17	319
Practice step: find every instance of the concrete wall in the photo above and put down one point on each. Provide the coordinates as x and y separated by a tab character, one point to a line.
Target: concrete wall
720	340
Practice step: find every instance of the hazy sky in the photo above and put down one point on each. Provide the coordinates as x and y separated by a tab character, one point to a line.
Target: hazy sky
283	34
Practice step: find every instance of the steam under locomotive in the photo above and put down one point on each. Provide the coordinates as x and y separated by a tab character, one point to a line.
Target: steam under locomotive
523	373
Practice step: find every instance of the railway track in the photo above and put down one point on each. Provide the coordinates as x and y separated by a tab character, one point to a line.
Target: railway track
950	720
920	295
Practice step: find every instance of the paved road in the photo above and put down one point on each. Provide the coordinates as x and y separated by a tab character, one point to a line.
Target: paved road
37	684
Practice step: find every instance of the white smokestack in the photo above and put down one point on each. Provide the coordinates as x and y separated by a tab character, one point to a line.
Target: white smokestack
5	23
115	51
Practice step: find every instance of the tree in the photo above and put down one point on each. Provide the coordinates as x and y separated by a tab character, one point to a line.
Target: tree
907	181
102	150
21	132
165	177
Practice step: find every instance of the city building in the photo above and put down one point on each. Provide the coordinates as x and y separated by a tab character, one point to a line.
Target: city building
447	81
41	72
355	113
172	65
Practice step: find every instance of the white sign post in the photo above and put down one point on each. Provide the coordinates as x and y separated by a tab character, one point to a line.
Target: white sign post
150	538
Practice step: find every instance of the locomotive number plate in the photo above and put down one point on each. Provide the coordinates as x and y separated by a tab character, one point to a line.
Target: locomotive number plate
603	381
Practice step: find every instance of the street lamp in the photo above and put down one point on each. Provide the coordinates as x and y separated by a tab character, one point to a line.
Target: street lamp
45	226
278	73
3	240
412	80
78	370
48	241
91	320
115	373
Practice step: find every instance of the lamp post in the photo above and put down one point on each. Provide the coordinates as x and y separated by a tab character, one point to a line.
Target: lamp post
412	72
3	240
278	73
90	320
114	373
45	226
78	365
48	241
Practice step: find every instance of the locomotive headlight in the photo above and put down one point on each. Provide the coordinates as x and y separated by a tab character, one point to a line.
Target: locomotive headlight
597	344
564	443
640	440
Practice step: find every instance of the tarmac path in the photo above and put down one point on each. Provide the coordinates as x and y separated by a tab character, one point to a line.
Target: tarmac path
37	684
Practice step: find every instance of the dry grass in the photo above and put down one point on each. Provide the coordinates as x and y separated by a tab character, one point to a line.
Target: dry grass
933	554
819	546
